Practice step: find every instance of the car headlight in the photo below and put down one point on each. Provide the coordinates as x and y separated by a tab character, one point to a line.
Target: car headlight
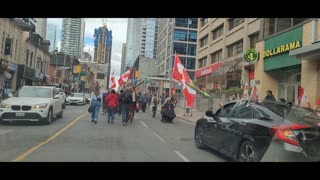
3	105
40	106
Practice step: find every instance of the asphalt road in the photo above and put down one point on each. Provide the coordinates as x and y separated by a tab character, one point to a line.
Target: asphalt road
75	139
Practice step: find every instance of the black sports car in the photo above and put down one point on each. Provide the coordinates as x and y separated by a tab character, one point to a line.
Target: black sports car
265	131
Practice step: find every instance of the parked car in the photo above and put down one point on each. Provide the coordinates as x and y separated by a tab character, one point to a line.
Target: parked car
32	103
265	131
76	98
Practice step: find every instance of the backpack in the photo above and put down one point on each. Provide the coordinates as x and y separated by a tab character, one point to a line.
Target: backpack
155	102
125	98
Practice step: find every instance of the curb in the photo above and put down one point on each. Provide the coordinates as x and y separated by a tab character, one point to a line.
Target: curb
185	119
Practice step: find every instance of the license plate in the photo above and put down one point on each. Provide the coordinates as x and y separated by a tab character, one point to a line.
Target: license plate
20	114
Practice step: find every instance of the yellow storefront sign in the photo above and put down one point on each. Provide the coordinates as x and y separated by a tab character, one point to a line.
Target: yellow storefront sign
281	49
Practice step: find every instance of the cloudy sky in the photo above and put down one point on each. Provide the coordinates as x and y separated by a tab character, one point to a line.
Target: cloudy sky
119	33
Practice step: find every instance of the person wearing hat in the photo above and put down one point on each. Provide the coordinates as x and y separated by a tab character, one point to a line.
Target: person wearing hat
269	96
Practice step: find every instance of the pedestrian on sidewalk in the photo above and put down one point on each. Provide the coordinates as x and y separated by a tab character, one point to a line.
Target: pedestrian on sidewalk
133	105
112	102
95	103
119	108
104	105
269	96
154	107
126	100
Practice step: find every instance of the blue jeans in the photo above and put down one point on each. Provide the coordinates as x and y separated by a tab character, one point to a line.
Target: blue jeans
96	107
125	112
111	112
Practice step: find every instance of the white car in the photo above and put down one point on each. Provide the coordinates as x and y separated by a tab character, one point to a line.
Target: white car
76	98
32	103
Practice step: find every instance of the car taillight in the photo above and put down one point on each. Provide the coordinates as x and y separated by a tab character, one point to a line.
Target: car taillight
286	134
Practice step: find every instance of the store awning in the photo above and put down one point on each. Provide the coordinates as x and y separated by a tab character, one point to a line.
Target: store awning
208	70
227	67
310	52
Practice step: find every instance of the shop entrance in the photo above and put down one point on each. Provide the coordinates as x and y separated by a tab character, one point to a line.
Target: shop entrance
289	85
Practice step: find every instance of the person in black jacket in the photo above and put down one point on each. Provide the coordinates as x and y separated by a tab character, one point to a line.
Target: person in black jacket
269	96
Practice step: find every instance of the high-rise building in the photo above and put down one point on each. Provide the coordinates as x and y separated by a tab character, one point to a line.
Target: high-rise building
72	41
141	39
123	58
52	36
177	35
40	25
102	52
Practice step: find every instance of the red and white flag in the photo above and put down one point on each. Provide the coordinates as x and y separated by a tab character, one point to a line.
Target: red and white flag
124	77
303	98
113	81
245	94
180	75
254	94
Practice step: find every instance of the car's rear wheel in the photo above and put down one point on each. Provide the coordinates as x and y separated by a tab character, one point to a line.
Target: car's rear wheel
49	118
248	152
199	139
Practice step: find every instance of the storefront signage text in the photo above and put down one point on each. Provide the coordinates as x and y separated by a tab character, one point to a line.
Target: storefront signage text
281	49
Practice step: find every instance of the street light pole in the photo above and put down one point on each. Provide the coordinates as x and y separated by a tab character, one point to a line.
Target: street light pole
64	70
55	76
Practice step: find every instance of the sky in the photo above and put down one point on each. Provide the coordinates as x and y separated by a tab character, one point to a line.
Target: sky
119	33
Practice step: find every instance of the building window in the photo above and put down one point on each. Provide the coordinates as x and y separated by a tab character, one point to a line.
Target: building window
27	57
216	56
192	36
236	48
192	49
203	62
187	22
276	25
217	32
31	59
191	63
180	35
298	20
283	23
204	41
235	22
203	21
254	40
180	48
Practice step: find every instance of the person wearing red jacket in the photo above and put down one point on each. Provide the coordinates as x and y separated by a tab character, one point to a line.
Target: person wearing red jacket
112	101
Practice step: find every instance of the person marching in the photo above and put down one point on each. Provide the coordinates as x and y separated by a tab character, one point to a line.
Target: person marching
112	102
95	103
126	100
154	107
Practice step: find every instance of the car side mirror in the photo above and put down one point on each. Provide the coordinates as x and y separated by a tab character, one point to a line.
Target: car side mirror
210	114
56	97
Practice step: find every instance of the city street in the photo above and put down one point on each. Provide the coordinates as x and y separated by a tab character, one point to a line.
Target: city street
74	138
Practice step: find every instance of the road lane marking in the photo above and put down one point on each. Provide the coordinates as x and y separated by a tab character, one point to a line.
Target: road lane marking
159	137
187	122
144	124
182	156
30	151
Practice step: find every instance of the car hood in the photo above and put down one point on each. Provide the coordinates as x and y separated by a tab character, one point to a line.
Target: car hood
26	100
75	98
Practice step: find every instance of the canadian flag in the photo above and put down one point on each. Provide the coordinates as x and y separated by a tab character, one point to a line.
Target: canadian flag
254	94
245	94
113	82
302	97
124	77
180	75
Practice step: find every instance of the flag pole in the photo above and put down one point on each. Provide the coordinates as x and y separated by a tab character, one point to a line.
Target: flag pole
254	84
171	73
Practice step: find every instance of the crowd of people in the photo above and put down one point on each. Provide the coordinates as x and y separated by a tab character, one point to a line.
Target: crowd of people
126	103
